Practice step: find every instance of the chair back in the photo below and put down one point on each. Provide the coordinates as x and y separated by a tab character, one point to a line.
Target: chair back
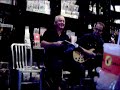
21	56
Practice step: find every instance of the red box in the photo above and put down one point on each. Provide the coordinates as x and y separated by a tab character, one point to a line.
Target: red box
111	63
111	58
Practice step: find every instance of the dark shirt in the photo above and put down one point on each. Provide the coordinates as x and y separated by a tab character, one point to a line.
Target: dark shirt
90	40
52	36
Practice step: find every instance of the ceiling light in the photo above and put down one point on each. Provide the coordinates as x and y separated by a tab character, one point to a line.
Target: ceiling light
117	8
117	21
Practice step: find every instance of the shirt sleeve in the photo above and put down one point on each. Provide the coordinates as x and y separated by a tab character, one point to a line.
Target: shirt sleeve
46	36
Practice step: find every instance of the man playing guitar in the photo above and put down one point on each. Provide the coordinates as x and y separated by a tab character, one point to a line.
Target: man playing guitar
94	42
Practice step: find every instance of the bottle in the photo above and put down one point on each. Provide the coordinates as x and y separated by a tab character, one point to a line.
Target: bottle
27	36
36	35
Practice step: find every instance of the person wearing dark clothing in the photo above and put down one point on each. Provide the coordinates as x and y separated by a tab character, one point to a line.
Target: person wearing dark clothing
93	41
52	42
57	58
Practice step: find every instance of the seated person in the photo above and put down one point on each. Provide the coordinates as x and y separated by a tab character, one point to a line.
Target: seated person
93	41
52	42
56	59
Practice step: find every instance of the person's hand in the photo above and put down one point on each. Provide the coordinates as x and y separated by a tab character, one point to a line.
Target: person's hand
105	81
90	51
112	40
58	43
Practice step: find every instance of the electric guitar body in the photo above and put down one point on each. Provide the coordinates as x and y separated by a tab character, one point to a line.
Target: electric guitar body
81	54
81	57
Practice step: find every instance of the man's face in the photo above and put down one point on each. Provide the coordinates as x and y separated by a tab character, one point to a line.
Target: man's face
60	23
98	30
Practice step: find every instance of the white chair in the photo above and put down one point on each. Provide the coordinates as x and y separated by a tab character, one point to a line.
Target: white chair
22	62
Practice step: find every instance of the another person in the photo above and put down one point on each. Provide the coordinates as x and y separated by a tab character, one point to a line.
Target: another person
95	42
114	37
55	47
52	42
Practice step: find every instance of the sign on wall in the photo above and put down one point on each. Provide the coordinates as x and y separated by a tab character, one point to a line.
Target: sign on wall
69	9
39	6
6	1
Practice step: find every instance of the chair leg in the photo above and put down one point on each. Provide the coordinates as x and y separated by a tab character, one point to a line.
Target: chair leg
19	79
40	82
15	79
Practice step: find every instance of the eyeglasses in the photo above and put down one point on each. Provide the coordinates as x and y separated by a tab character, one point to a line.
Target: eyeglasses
99	30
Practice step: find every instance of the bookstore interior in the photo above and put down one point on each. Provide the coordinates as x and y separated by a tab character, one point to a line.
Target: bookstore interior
60	44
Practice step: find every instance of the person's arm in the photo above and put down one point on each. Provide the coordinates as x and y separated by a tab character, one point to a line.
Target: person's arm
90	51
47	44
47	40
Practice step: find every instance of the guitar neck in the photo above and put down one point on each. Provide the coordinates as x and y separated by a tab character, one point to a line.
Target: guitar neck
81	49
76	45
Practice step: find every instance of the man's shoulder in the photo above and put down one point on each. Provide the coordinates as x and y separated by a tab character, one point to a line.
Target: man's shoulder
49	31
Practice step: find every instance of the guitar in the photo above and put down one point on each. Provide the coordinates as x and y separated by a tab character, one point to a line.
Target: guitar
81	54
81	57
